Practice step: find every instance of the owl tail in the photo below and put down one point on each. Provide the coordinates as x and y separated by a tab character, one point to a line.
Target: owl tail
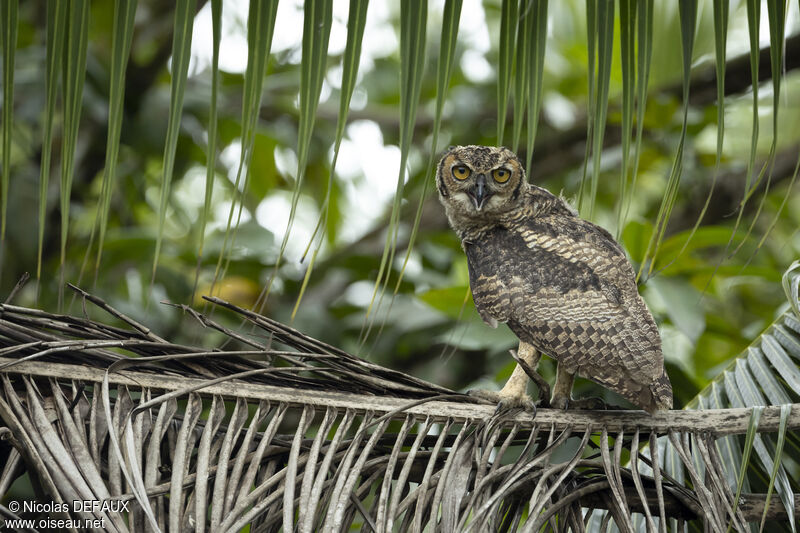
661	391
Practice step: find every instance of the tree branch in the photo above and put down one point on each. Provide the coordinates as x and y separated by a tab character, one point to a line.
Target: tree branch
715	421
703	90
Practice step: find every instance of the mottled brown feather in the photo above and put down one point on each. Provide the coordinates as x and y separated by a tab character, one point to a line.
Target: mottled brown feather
561	283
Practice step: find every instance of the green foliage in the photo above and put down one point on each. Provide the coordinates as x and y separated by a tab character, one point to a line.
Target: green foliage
76	43
766	373
508	39
8	35
300	184
124	16
316	32
336	137
213	123
56	28
601	35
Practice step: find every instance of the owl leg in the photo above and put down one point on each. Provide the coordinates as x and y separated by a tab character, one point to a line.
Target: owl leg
562	393
528	360
562	390
514	393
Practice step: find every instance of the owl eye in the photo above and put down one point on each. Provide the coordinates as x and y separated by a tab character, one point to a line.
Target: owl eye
461	172
501	175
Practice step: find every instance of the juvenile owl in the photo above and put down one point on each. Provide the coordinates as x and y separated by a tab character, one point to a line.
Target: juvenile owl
561	283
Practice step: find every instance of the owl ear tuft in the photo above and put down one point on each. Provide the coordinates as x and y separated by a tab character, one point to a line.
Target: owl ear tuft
517	190
441	187
440	178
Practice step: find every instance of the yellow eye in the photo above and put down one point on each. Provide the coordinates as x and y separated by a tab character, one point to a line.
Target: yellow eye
461	172
501	175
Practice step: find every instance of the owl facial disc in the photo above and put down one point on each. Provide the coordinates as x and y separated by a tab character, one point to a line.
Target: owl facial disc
479	193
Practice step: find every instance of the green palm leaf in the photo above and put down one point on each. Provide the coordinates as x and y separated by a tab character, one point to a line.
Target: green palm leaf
627	16
521	82
776	12
124	18
688	17
600	35
181	52
317	19
56	30
356	22
413	21
591	67
605	43
211	163
8	36
260	28
767	373
644	54
73	71
753	26
508	38
721	11
447	48
538	42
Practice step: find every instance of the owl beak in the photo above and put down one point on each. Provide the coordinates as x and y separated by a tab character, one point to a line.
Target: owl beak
479	193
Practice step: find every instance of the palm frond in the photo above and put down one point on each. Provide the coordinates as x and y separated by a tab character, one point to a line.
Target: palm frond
766	373
300	434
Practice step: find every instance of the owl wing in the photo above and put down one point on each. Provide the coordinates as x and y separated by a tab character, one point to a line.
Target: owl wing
565	286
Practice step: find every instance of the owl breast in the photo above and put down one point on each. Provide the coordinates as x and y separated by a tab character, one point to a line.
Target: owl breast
508	273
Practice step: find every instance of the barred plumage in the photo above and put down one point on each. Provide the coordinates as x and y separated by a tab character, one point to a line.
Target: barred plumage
561	283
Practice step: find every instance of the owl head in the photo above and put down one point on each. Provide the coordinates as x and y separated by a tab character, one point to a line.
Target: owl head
480	182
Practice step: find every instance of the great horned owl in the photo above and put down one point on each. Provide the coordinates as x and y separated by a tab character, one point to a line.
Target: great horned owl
561	283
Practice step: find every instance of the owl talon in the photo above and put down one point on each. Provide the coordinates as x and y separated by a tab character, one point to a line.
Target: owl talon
505	402
560	402
528	365
583	404
543	402
488	395
591	404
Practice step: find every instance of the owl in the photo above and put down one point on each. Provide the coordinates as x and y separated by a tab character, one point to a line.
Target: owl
562	284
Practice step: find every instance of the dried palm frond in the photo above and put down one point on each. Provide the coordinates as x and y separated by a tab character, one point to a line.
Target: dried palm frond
299	435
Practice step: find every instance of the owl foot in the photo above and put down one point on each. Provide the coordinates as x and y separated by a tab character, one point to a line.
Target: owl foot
541	383
505	402
589	404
